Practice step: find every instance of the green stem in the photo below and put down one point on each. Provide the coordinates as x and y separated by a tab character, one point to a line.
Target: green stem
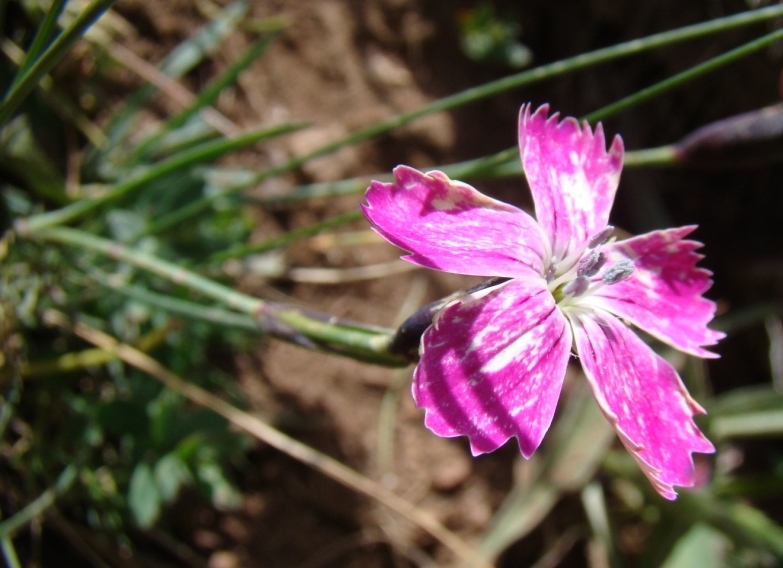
41	37
286	322
9	553
681	78
206	97
167	270
185	308
287	238
40	504
51	57
200	154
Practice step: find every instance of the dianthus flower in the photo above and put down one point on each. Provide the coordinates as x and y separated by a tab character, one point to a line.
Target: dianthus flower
492	363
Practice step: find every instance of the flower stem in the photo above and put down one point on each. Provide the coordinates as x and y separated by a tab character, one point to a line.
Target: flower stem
289	323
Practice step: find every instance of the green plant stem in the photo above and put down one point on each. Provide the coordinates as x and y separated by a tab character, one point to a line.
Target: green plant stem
17	94
287	238
286	322
185	308
206	96
41	37
9	553
681	78
199	154
40	504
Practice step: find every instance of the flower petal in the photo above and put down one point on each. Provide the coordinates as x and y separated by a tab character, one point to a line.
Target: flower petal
643	398
663	296
450	226
492	367
572	177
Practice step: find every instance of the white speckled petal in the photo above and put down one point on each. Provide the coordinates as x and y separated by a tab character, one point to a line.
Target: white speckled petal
663	296
492	368
449	226
643	398
571	175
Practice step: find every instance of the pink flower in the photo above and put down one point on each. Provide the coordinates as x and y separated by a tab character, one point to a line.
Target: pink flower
493	363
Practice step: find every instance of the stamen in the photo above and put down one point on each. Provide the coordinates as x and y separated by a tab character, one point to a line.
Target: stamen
591	264
577	287
600	238
552	270
618	272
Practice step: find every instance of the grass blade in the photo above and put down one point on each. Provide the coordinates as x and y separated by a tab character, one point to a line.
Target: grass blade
43	35
205	98
18	93
181	60
199	154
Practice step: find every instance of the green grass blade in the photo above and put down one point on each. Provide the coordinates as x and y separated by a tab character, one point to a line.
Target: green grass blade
285	239
759	424
53	54
43	35
9	553
198	155
40	504
682	78
205	98
185	308
194	133
182	59
745	400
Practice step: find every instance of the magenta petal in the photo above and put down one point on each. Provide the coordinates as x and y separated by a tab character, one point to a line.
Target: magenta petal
571	175
492	368
643	398
664	295
450	226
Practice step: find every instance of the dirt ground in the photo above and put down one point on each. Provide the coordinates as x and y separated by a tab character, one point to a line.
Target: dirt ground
345	64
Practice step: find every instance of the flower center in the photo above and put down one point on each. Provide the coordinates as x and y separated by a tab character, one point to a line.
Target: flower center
584	272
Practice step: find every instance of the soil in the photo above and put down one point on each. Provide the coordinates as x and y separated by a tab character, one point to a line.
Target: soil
345	64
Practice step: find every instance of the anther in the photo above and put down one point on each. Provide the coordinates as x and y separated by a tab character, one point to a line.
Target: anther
600	238
591	264
618	272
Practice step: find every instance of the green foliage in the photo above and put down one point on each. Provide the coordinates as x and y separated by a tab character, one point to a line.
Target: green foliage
486	37
137	444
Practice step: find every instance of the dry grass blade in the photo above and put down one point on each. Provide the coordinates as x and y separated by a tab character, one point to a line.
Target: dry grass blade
266	433
354	274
